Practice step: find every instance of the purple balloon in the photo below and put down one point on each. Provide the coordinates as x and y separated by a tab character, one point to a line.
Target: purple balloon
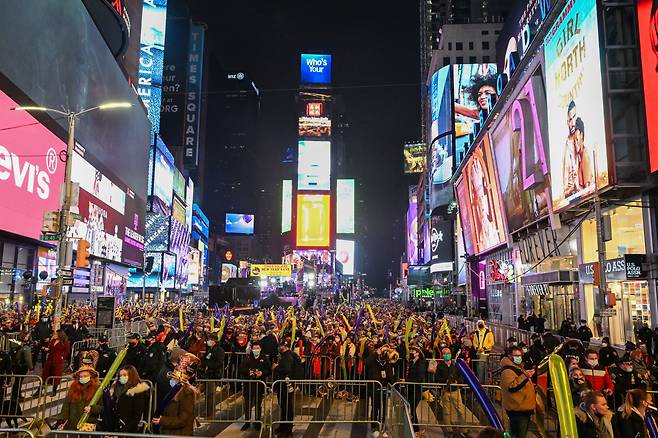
480	394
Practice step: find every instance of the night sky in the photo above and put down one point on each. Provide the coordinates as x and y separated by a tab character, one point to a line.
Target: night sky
375	69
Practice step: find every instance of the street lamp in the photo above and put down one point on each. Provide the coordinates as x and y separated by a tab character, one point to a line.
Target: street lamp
66	207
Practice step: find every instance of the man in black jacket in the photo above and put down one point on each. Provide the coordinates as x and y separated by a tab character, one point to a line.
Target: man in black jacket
584	333
377	368
152	358
284	370
212	367
255	367
454	411
416	377
537	351
608	355
106	356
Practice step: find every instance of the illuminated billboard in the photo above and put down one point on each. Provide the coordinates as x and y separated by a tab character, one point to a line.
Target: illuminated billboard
228	271
314	109
30	170
151	58
473	85
315	69
646	15
286	206
179	184
237	223
574	94
479	202
345	206
412	228
440	103
519	145
179	242
161	179
314	127
313	221
415	157
157	232
168	277
345	255
314	165
194	271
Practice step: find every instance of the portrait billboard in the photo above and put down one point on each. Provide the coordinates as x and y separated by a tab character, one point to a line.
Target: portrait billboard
315	69
574	94
647	20
194	274
415	157
313	221
314	165
478	194
345	206
286	206
30	170
412	229
151	58
345	255
314	127
519	145
237	223
441	168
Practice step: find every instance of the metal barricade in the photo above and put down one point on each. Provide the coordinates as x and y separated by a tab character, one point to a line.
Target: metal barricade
232	363
16	433
82	434
17	400
398	418
51	401
451	407
231	401
333	402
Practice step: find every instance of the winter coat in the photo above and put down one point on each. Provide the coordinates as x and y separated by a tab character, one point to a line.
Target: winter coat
129	407
134	356
72	410
447	374
588	428
417	371
152	360
178	416
251	363
633	426
106	357
381	372
608	356
483	339
212	362
598	377
518	390
58	351
21	359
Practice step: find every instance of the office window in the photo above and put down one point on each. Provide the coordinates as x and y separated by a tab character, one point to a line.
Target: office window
472	59
446	60
486	59
449	46
470	45
459	46
485	32
460	60
485	45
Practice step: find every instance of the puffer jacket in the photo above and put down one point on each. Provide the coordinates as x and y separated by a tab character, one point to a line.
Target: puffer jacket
483	339
518	389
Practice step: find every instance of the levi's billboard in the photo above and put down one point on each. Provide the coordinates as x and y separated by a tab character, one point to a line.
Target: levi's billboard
30	170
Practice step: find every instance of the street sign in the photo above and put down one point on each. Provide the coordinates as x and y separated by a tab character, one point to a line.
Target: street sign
608	312
50	237
67	281
50	221
65	272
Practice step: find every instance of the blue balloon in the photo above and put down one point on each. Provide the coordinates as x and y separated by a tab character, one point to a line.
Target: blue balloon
480	394
651	425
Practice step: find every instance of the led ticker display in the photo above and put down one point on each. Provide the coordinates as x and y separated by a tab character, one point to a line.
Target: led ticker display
314	127
314	165
415	157
239	223
315	69
646	15
313	221
345	255
345	206
286	206
151	58
574	94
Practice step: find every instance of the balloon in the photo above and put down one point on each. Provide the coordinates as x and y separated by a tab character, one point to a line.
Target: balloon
563	399
480	394
651	425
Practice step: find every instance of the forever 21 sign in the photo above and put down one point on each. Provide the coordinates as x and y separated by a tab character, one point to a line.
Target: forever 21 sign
628	267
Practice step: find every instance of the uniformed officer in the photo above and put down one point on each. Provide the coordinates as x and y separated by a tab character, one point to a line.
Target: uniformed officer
135	351
212	367
106	356
153	358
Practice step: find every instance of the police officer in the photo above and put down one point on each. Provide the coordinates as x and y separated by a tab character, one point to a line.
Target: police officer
153	358
255	367
106	356
135	352
285	370
212	367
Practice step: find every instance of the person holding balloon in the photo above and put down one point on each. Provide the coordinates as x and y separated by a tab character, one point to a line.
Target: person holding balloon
518	392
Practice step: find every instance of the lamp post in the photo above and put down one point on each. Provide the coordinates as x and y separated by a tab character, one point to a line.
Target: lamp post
66	204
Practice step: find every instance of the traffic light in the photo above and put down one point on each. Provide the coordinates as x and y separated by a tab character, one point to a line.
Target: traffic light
82	257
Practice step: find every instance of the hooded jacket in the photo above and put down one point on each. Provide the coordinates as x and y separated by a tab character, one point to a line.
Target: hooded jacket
483	339
518	390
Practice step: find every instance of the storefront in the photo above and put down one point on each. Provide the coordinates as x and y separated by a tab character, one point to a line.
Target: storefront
553	294
17	258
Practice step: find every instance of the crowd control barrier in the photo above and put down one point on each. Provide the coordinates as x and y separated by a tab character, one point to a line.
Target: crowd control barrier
398	419
17	403
16	433
82	434
230	400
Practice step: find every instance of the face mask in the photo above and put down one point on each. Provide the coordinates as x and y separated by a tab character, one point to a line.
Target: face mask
256	353
447	356
593	363
480	326
515	344
84	380
173	382
209	343
123	379
627	369
603	344
517	360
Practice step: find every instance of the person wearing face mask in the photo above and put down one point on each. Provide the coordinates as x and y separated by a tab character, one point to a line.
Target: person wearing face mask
625	378
608	355
135	351
630	421
378	369
537	351
596	374
578	385
518	392
454	411
645	335
417	376
288	367
593	418
83	387
129	401
177	418
483	342
106	356
153	358
212	366
584	332
255	367
170	365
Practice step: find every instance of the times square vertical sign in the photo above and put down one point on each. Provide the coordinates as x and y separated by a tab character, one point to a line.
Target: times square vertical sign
193	96
151	58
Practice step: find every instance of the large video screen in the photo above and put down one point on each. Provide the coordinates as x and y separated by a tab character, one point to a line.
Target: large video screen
440	103
574	93
237	223
138	279
345	255
647	19
157	232
315	69
163	179
415	157
345	206
286	206
519	145
314	127
477	193
151	59
179	243
168	270
30	170
313	221
412	229
314	165
473	84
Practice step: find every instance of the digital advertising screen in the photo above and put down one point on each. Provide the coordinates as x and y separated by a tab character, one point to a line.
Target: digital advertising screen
345	206
179	184
156	237
427	245
315	69
237	223
138	279
345	255
472	86
286	206
314	127
415	157
462	196
314	109
574	94
647	20
440	103
200	222
477	192
168	270
313	221
30	170
519	143
179	242
151	58
133	230
228	271
442	244
189	201
194	267
441	169
412	229
96	184
314	165
178	211
163	180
